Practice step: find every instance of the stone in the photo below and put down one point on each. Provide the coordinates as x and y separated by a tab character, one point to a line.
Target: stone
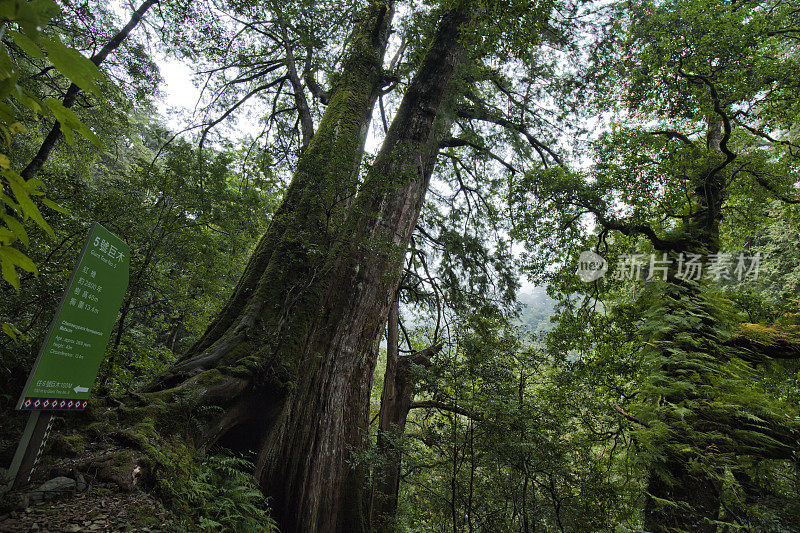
53	489
58	484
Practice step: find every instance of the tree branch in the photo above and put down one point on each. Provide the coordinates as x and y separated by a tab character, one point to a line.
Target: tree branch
726	122
630	417
434	404
766	342
52	138
454	142
629	228
316	89
235	106
303	109
485	115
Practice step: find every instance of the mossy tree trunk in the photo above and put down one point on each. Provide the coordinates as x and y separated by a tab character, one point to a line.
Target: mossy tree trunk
704	426
701	416
693	493
291	356
396	403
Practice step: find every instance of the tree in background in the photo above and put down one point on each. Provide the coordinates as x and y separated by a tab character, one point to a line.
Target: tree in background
713	88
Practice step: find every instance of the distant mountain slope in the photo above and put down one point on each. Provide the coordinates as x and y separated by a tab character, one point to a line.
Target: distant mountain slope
537	308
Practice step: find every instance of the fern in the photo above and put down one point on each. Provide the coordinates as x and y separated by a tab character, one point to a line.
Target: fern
213	492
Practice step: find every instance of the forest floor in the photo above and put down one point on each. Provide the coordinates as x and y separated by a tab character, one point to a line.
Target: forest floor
102	507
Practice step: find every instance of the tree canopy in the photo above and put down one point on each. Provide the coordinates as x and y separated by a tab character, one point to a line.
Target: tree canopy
457	265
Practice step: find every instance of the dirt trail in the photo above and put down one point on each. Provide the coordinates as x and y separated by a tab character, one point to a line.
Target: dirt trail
102	507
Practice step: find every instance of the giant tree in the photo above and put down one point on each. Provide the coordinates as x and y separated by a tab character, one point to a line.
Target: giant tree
290	356
709	94
285	368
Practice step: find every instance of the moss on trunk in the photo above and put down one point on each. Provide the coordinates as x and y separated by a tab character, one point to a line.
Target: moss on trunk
286	369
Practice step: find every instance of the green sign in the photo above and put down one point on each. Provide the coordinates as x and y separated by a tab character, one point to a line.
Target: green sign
73	349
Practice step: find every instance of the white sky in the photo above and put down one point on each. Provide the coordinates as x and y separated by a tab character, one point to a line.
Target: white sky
179	91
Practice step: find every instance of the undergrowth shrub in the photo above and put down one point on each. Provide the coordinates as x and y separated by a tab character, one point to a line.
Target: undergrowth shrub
213	492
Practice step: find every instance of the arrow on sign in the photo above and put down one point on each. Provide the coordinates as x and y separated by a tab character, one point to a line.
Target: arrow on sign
80	389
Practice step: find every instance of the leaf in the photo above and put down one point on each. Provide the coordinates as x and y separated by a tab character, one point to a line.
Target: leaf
16	228
69	122
9	253
9	87
72	64
30	15
33	185
4	162
10	258
9	202
7	113
27	45
6	236
31	102
11	330
52	205
7	66
17	127
29	209
8	270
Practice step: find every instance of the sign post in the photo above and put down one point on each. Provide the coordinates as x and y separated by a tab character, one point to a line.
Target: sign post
28	452
70	356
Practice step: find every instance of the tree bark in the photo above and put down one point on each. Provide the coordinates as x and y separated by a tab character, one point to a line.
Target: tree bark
391	421
291	356
327	413
396	403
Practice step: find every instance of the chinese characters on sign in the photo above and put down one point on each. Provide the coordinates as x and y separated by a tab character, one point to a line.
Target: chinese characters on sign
718	267
71	354
723	266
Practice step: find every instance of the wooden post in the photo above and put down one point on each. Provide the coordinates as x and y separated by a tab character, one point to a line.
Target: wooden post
30	448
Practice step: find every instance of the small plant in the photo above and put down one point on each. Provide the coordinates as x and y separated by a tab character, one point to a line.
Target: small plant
215	493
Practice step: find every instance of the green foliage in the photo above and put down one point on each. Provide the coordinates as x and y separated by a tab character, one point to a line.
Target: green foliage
213	493
540	449
565	430
190	218
15	100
